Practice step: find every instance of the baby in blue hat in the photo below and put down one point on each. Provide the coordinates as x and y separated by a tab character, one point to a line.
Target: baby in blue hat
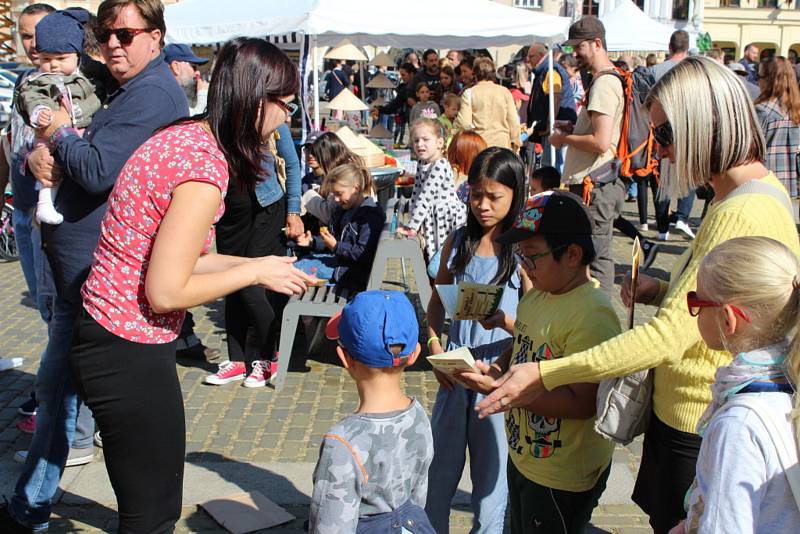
372	471
59	41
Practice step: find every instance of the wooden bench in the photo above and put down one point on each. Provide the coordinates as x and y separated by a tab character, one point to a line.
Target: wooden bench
323	301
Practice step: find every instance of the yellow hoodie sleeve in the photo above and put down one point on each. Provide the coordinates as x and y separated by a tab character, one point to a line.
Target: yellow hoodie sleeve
669	333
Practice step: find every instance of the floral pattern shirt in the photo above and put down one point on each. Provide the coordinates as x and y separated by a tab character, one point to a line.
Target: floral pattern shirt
114	293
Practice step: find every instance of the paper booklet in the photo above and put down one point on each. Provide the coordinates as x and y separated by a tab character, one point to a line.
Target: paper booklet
636	255
459	359
469	301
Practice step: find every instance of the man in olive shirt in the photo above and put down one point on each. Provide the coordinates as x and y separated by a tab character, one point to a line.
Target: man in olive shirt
590	168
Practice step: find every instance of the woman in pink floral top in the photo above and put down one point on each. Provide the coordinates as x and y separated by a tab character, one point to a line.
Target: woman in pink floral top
153	261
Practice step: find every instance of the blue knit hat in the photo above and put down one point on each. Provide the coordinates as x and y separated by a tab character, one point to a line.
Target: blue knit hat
61	32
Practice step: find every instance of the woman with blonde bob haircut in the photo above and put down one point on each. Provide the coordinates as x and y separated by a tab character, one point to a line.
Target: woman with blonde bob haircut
712	137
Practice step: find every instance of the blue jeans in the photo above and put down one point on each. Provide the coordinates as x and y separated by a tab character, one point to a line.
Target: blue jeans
456	427
55	424
33	263
683	211
23	226
546	160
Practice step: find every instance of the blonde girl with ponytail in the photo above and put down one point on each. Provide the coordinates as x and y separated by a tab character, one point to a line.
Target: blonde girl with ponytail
344	250
748	303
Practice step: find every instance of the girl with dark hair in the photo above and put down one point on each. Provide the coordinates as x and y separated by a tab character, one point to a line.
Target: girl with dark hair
497	193
466	74
252	227
152	262
447	76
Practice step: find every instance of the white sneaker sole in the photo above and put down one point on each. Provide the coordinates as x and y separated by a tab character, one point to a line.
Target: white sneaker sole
222	381
254	384
21	456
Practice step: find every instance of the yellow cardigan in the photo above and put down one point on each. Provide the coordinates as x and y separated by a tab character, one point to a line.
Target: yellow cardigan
670	342
488	109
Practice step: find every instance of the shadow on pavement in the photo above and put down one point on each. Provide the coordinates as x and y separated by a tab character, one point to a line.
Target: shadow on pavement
75	518
247	477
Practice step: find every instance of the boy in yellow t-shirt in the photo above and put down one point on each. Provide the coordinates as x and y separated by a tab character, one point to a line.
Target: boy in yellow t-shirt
559	464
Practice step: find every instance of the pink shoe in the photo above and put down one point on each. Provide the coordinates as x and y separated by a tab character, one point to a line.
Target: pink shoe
27	425
228	372
263	371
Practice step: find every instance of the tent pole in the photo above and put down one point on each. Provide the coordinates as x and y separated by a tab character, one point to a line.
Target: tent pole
316	80
364	114
551	112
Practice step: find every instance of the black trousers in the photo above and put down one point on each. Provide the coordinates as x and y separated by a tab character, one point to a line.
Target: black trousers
249	230
539	509
669	458
134	393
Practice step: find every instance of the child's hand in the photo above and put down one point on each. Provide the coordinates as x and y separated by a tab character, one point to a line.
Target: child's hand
304	240
481	381
680	528
444	380
329	240
45	117
498	319
406	232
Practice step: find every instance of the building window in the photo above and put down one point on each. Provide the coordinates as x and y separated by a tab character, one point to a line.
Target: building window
680	9
591	7
768	3
729	3
528	4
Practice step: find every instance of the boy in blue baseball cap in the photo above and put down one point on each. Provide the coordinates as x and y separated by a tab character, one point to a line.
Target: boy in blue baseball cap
60	44
372	471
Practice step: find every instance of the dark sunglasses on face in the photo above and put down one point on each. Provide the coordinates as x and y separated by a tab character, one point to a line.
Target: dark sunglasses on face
663	134
290	108
125	36
695	304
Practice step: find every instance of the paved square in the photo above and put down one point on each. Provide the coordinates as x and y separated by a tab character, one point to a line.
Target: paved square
241	439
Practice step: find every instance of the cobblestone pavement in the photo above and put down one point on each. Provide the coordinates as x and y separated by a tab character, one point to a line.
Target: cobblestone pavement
236	424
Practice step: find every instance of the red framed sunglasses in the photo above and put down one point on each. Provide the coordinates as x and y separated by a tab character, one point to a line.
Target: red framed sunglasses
695	304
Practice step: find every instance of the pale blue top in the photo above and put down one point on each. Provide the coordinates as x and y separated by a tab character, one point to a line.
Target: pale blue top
481	270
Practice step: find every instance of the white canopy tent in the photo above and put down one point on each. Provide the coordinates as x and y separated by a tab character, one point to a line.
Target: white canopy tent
419	23
455	24
628	28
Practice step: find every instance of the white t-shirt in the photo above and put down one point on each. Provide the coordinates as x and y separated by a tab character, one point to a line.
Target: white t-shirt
740	485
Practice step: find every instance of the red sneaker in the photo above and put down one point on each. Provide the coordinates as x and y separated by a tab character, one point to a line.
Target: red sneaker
263	371
27	425
228	372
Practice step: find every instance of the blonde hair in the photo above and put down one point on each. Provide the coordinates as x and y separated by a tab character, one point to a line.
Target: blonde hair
451	98
351	174
713	131
762	277
434	125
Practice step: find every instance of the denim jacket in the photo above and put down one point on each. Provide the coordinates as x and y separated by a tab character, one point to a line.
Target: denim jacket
357	232
269	190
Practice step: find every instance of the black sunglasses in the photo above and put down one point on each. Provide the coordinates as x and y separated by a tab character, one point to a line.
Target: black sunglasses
125	36
289	107
663	134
